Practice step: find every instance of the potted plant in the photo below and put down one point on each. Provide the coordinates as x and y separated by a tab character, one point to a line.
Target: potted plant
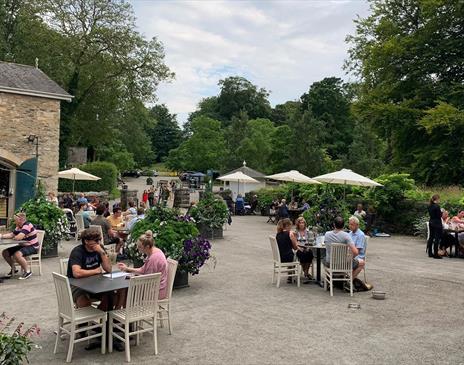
48	217
177	236
210	214
15	344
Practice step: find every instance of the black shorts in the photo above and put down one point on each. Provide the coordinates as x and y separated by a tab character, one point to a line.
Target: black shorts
25	250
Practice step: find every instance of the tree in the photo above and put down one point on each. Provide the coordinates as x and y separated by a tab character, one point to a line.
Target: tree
204	150
328	101
166	134
409	55
256	148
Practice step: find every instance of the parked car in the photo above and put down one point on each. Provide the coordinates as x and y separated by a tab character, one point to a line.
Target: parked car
149	173
185	176
131	173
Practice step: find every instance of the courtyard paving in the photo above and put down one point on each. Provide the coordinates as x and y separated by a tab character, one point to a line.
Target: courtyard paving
231	314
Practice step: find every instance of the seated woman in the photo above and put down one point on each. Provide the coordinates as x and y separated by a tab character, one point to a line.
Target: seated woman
154	263
447	239
303	236
287	242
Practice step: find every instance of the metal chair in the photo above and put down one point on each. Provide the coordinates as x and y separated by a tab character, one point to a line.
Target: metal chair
292	269
80	320
141	308
164	305
340	266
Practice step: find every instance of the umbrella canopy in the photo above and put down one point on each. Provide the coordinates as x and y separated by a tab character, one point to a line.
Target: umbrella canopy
76	174
239	177
346	177
293	176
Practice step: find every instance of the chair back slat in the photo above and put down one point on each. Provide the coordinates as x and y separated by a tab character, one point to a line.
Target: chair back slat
79	222
172	268
142	295
366	242
340	257
275	248
64	266
40	238
64	296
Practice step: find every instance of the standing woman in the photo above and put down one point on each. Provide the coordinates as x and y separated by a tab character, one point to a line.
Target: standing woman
436	227
145	197
287	242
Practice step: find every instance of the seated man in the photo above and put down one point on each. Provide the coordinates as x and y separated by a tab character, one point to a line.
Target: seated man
82	199
359	240
239	205
24	231
132	210
140	216
109	235
86	260
359	212
338	235
115	220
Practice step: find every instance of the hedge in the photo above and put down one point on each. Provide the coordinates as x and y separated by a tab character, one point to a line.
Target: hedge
107	171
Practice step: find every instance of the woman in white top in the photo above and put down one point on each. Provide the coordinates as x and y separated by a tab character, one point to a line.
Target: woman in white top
304	236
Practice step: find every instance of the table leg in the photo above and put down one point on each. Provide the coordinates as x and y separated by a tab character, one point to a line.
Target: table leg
456	244
318	272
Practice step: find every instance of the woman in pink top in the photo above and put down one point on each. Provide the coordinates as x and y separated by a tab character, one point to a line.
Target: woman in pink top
154	263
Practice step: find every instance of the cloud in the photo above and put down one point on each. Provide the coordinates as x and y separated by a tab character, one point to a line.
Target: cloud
283	46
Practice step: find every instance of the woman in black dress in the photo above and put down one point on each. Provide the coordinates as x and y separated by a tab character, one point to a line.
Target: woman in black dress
287	242
436	227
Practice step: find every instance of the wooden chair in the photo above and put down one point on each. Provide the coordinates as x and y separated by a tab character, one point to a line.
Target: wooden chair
80	320
340	267
141	308
99	228
366	241
292	269
79	225
164	305
64	266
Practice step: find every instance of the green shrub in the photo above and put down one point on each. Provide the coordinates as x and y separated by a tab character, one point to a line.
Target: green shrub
106	171
210	211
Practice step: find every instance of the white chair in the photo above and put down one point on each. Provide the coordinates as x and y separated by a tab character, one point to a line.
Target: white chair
36	258
79	225
366	241
291	269
80	320
341	266
141	306
64	266
164	305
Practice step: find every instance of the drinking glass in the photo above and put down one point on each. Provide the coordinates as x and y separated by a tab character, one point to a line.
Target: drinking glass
112	256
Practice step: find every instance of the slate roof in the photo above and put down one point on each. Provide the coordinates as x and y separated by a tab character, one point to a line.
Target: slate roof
28	80
250	172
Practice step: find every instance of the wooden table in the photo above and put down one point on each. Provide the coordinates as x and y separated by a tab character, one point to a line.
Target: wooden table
318	248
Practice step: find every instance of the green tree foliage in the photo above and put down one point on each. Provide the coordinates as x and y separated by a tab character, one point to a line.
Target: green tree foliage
256	148
93	50
204	150
328	101
409	55
166	134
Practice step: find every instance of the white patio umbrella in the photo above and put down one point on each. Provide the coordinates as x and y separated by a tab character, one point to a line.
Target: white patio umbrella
346	177
293	176
238	177
76	174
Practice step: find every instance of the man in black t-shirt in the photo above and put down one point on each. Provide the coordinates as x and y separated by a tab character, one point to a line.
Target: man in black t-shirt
86	260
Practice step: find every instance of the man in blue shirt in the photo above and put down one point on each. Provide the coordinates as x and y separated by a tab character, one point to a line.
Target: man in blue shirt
359	240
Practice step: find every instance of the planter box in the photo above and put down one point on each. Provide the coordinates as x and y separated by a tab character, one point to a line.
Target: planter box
181	279
209	233
51	252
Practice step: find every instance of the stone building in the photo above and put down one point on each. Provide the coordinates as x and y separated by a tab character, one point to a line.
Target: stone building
30	131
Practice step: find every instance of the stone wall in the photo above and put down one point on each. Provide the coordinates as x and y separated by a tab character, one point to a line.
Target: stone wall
21	116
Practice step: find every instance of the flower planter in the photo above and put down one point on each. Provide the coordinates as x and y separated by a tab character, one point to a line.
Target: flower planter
211	233
181	279
51	251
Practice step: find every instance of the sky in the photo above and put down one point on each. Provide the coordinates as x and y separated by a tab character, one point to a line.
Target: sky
283	46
